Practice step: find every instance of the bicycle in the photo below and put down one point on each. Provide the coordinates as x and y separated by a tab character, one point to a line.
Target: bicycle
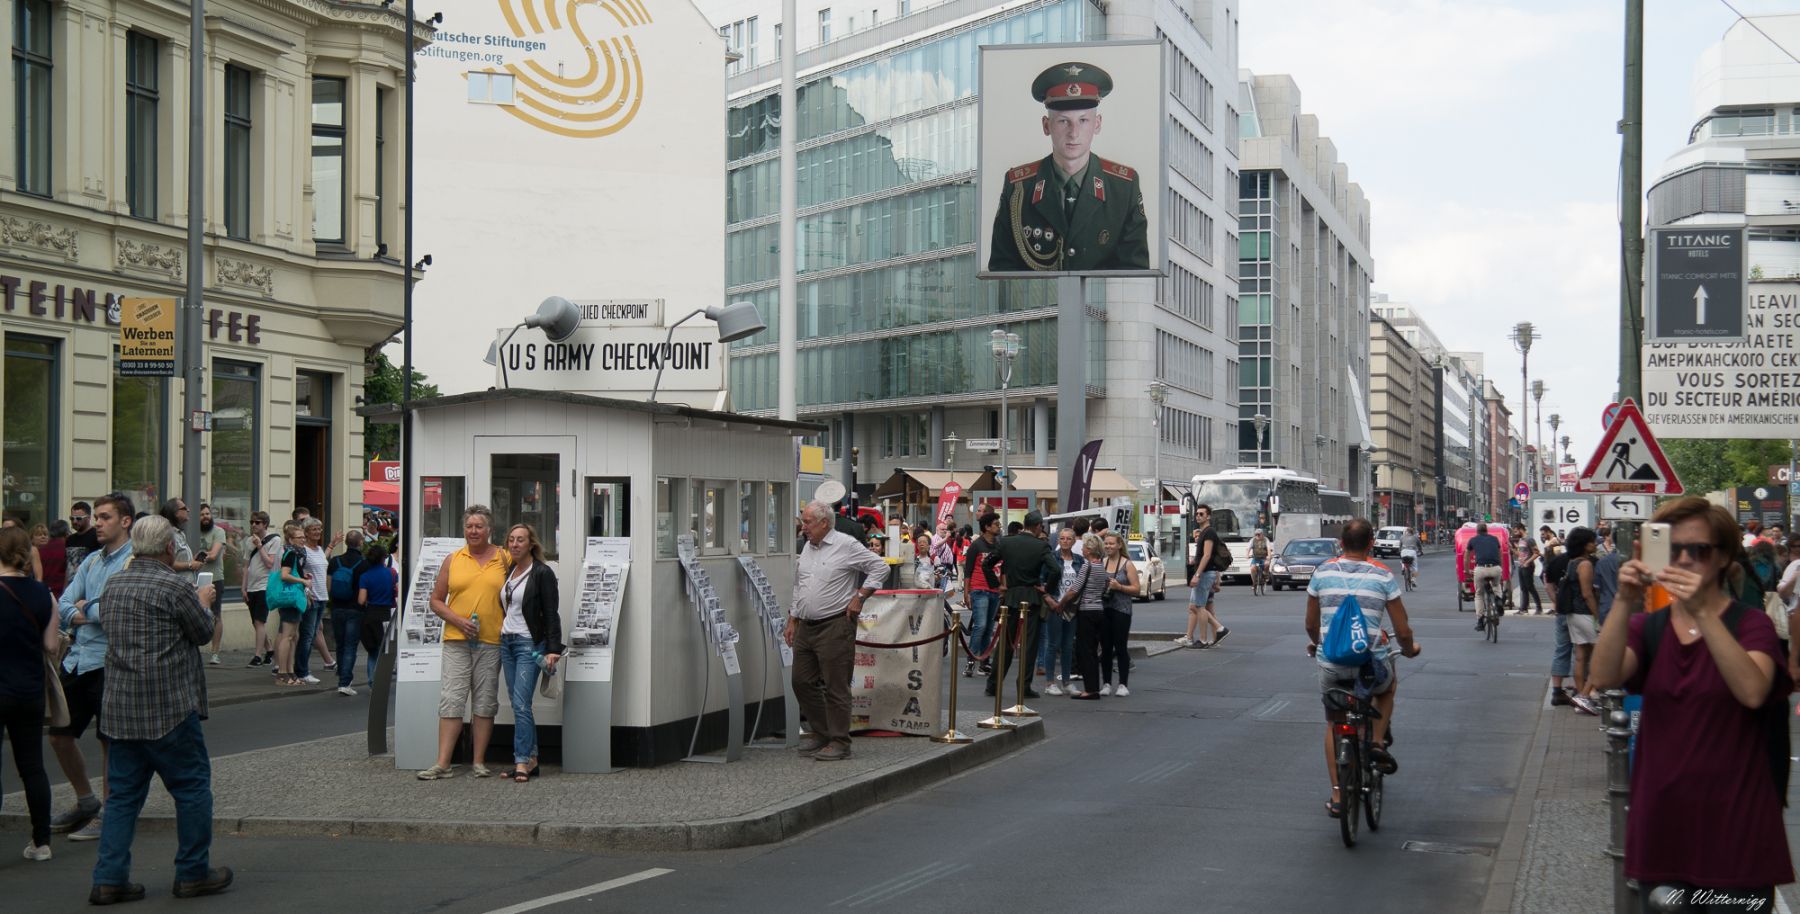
1259	577
1409	572
1359	780
1490	608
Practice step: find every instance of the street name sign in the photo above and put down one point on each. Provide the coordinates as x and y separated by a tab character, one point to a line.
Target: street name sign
982	444
1625	507
1748	389
1629	460
1697	284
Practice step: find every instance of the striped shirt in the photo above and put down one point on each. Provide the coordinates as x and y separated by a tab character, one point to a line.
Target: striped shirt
154	624
1374	586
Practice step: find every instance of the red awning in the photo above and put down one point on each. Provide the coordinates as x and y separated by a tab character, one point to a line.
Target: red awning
383	495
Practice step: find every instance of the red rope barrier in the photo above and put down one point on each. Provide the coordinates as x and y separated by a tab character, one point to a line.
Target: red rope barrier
937	637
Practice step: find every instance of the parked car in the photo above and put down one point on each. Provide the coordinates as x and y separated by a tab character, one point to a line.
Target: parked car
1295	565
1387	541
1152	579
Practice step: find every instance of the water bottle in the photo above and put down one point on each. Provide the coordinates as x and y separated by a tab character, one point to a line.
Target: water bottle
537	657
475	620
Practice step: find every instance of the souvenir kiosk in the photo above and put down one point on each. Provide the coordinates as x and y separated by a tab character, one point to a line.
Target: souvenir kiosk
671	530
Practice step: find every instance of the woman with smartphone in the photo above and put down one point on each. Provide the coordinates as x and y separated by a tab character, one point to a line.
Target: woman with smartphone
1710	775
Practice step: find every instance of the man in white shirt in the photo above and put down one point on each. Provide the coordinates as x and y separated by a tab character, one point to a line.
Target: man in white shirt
832	577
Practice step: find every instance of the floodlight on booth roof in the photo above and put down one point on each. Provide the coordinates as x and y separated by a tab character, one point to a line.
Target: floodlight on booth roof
736	321
556	316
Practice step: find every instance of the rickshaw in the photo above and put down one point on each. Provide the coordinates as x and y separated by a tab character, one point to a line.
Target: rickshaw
1465	570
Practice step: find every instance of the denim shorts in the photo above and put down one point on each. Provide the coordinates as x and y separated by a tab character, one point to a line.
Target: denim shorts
1202	594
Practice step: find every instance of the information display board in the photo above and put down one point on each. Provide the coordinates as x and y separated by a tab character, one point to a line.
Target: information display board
719	633
768	606
604	569
421	631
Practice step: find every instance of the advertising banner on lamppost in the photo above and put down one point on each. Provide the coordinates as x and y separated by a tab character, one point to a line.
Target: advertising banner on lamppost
1071	175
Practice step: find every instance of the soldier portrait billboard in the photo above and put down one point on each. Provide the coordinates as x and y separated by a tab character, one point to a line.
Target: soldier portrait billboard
1071	159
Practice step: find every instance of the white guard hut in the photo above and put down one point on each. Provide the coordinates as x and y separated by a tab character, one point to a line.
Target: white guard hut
610	486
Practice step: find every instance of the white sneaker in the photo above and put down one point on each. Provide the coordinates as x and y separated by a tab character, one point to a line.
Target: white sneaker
214	661
36	852
1123	692
1053	689
1184	641
347	691
1106	689
311	679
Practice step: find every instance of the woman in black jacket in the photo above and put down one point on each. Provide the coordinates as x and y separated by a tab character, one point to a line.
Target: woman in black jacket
530	638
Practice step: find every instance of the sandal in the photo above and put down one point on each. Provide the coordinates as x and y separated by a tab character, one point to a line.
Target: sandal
481	771
1334	809
519	775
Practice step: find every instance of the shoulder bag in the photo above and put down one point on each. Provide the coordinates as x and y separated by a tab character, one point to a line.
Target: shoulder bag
56	704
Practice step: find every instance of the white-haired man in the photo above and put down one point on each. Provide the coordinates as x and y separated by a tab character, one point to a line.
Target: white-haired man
833	576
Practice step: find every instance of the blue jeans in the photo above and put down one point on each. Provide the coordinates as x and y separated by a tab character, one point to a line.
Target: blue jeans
982	606
179	758
309	627
520	672
1562	663
346	628
1058	642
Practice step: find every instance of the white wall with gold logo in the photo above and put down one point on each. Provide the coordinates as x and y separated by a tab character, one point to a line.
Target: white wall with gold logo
602	177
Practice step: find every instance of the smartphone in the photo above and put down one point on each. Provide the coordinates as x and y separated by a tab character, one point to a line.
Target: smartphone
204	580
1655	546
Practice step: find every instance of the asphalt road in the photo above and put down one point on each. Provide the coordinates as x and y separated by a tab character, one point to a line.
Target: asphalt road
1203	790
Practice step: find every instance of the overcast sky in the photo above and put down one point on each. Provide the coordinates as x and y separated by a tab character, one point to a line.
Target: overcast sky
1484	134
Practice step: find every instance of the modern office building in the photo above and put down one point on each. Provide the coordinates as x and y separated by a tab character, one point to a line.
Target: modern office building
1403	421
1303	293
1458	460
303	133
1742	161
893	323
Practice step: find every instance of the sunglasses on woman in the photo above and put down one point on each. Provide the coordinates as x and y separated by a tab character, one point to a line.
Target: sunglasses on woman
1700	551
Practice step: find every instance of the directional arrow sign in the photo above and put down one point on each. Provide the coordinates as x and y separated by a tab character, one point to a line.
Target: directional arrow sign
1701	266
1625	507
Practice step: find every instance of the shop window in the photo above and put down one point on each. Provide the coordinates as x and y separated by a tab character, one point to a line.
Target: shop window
313	460
328	139
28	448
140	435
235	447
440	511
751	538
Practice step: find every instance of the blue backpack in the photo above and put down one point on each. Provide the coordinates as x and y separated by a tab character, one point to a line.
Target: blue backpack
342	589
1347	640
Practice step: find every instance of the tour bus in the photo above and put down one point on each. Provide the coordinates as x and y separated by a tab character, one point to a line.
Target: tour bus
1282	503
1118	518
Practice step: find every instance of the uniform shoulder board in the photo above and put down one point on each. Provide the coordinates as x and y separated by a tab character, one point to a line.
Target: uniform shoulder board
1024	171
1117	170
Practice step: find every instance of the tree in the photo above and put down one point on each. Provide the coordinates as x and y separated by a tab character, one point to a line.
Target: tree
1712	464
381	384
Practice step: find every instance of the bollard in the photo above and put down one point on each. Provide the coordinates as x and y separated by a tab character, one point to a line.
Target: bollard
999	721
1025	667
951	734
1618	794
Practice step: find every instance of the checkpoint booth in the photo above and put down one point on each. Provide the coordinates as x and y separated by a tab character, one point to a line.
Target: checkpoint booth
671	531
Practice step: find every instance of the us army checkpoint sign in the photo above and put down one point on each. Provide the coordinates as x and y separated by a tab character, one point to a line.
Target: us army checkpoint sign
1629	460
1697	285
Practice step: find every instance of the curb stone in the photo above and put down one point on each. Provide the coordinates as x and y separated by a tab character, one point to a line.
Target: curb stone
1509	860
789	819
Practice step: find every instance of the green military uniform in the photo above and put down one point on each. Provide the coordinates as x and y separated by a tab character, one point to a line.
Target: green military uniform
1029	562
1091	220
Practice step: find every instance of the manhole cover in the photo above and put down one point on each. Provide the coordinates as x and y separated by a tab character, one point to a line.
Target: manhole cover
1433	847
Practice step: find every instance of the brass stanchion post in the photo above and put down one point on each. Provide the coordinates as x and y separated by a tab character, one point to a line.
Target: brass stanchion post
951	734
1000	721
1025	667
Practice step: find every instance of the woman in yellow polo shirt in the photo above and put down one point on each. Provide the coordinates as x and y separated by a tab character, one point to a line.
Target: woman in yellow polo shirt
467	597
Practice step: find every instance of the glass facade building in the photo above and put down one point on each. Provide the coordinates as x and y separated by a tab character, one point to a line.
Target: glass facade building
893	323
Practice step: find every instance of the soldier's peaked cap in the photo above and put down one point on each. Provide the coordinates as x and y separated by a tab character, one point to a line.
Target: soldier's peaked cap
1071	85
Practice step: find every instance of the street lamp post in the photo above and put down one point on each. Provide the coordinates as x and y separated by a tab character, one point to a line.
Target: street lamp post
950	443
1567	457
1261	422
1319	453
1523	335
1006	348
1537	396
1159	394
1555	423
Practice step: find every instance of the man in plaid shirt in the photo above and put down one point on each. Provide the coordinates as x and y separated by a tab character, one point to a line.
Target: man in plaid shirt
155	622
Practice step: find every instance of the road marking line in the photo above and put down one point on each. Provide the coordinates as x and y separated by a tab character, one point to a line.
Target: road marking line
941	870
860	897
583	892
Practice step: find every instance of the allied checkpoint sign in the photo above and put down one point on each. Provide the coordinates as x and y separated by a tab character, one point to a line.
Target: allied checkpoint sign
1071	177
1696	288
1748	389
898	689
